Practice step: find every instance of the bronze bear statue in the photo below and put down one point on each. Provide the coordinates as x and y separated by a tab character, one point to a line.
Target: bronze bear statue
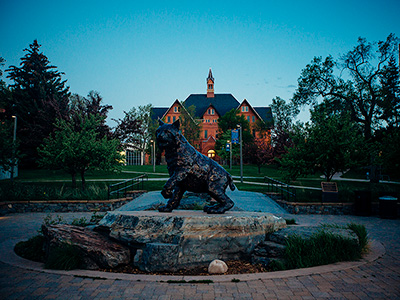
192	171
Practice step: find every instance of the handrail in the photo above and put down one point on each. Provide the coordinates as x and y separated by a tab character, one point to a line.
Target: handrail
122	187
275	186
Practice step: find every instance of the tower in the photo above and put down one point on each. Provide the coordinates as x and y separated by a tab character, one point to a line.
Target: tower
210	85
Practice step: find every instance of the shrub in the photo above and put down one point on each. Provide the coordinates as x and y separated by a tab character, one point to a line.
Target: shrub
290	221
64	257
31	249
82	222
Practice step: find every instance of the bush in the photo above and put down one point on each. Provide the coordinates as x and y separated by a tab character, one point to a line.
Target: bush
290	221
64	257
19	191
31	249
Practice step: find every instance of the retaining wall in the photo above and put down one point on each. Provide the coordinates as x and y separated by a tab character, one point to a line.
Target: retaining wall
66	205
317	208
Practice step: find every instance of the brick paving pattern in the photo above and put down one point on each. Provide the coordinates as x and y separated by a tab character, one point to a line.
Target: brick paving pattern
379	279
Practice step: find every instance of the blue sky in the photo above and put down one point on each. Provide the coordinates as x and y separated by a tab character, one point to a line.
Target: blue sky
139	52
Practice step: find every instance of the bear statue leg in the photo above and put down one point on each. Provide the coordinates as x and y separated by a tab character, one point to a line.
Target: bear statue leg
224	203
174	201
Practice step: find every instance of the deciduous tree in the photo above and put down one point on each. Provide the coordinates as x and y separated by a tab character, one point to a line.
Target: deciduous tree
75	147
328	145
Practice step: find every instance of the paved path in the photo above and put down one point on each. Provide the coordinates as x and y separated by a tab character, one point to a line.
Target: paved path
377	279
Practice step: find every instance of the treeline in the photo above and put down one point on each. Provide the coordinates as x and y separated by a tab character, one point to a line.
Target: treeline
57	129
355	114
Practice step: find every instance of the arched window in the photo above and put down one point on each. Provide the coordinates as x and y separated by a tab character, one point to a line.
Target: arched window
211	153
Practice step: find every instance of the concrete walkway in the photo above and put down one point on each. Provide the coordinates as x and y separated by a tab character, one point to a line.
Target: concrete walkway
376	277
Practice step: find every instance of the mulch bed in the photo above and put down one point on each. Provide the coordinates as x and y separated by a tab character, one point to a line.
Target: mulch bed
234	267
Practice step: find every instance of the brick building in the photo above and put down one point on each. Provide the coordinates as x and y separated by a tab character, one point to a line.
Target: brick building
209	108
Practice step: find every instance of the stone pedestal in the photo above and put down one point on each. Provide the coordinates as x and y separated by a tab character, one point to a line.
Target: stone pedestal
186	239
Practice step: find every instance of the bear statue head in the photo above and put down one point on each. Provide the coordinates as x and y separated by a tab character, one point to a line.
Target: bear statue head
167	135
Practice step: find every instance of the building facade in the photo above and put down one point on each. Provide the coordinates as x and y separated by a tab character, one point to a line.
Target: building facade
209	108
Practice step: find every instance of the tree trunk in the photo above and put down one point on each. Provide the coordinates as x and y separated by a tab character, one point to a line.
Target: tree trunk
83	180
73	179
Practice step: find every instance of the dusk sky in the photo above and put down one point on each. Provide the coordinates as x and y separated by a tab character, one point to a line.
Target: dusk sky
139	52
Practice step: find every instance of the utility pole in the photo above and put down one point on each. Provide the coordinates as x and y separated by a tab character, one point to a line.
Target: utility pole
241	153
13	165
153	143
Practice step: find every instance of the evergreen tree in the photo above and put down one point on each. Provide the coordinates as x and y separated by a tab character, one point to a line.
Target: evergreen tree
38	98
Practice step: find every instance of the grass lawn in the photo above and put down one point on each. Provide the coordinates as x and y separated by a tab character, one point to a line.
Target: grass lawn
52	185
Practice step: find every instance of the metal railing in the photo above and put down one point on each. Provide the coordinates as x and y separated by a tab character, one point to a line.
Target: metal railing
276	187
121	189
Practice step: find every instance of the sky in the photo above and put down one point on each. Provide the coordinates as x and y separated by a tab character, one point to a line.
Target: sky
139	52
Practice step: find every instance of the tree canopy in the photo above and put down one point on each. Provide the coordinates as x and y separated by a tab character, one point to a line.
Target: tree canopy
330	144
76	147
370	75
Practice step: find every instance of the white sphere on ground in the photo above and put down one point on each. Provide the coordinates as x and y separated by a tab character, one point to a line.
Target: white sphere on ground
217	267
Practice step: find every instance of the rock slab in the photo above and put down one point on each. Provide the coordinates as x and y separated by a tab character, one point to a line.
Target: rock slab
186	239
97	251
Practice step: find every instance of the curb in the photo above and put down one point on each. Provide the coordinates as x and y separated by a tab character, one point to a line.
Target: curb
8	256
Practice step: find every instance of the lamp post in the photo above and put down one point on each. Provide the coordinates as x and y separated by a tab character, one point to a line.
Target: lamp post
154	155
230	154
241	153
13	151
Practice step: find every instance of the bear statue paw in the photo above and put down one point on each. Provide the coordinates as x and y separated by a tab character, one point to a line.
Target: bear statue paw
165	208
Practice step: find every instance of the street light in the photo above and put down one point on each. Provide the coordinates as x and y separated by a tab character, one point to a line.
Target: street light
230	154
154	155
241	154
13	151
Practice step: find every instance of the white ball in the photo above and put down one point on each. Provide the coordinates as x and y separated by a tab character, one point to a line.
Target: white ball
217	267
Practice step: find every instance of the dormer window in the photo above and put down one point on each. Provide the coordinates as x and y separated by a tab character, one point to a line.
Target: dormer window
245	108
210	111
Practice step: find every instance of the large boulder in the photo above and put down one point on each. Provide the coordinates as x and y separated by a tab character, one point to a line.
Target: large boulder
97	251
186	239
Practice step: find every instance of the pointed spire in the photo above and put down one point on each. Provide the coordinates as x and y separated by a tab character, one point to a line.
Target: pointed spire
210	85
210	77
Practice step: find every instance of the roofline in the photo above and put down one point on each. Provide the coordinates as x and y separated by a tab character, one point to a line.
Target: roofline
177	101
253	109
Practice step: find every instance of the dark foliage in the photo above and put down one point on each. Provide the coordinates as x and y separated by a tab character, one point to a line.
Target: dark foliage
38	97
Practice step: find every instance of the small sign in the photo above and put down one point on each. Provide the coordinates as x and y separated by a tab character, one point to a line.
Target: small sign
329	192
329	187
235	136
228	147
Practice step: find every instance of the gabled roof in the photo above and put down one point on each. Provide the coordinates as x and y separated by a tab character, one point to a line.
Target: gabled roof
266	114
221	102
158	112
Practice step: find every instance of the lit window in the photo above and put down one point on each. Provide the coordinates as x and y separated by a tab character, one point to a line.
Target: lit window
211	153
